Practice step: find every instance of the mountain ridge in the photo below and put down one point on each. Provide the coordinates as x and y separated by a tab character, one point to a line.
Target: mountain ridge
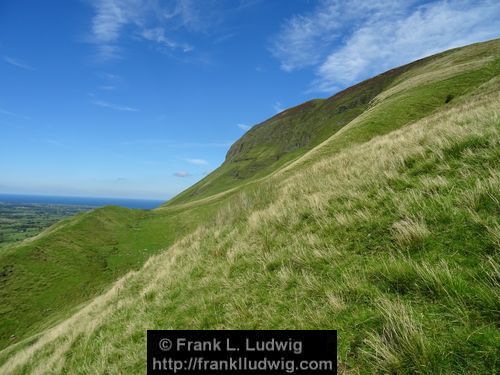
310	195
270	144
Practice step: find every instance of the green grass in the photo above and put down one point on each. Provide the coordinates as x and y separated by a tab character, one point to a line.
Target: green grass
285	137
46	278
387	231
20	221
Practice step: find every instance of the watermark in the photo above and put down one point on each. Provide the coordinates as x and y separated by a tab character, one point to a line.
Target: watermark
242	352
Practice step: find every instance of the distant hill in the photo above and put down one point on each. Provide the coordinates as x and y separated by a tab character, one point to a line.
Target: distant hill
374	212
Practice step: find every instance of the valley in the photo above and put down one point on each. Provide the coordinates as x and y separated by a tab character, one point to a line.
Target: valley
374	212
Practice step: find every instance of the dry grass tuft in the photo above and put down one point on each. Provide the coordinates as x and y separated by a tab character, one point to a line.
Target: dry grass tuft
410	231
401	346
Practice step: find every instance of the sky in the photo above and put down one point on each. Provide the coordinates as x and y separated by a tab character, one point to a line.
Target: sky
142	98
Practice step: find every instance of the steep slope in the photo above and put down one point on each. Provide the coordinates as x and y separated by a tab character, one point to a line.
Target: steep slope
362	212
288	135
44	278
393	242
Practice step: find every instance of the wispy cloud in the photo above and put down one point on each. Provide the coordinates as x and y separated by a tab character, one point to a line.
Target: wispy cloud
158	22
5	112
351	40
12	114
151	21
278	108
243	126
157	35
110	18
181	174
108	52
17	63
116	107
196	161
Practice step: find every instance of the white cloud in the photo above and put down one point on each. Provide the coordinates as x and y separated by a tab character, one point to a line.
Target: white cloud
305	39
197	161
155	21
111	77
243	126
278	108
17	63
113	16
157	35
366	38
116	107
181	174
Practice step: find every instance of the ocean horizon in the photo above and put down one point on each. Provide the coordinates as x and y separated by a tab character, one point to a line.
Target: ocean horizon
146	204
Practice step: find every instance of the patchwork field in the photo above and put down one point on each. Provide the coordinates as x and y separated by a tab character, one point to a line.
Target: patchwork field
20	221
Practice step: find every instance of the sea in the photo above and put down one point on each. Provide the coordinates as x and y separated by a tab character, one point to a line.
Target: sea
146	204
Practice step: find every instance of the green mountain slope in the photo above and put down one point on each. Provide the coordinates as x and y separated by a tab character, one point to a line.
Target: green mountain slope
288	135
387	229
42	279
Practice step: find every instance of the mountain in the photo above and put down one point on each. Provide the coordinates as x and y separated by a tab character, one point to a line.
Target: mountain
284	137
281	139
374	212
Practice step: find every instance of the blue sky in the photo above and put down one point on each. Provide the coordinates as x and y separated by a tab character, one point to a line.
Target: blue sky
143	98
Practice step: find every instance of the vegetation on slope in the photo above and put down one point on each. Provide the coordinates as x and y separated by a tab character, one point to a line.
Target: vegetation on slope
393	242
19	221
284	137
288	135
381	211
43	279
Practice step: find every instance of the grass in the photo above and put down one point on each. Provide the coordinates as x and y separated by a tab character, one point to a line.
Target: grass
77	259
21	221
427	304
389	235
403	95
286	136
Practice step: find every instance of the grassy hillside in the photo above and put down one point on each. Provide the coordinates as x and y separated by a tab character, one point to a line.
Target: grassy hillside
20	221
44	278
273	143
288	135
388	231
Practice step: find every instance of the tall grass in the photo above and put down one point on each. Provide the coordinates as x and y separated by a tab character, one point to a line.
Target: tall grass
394	242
